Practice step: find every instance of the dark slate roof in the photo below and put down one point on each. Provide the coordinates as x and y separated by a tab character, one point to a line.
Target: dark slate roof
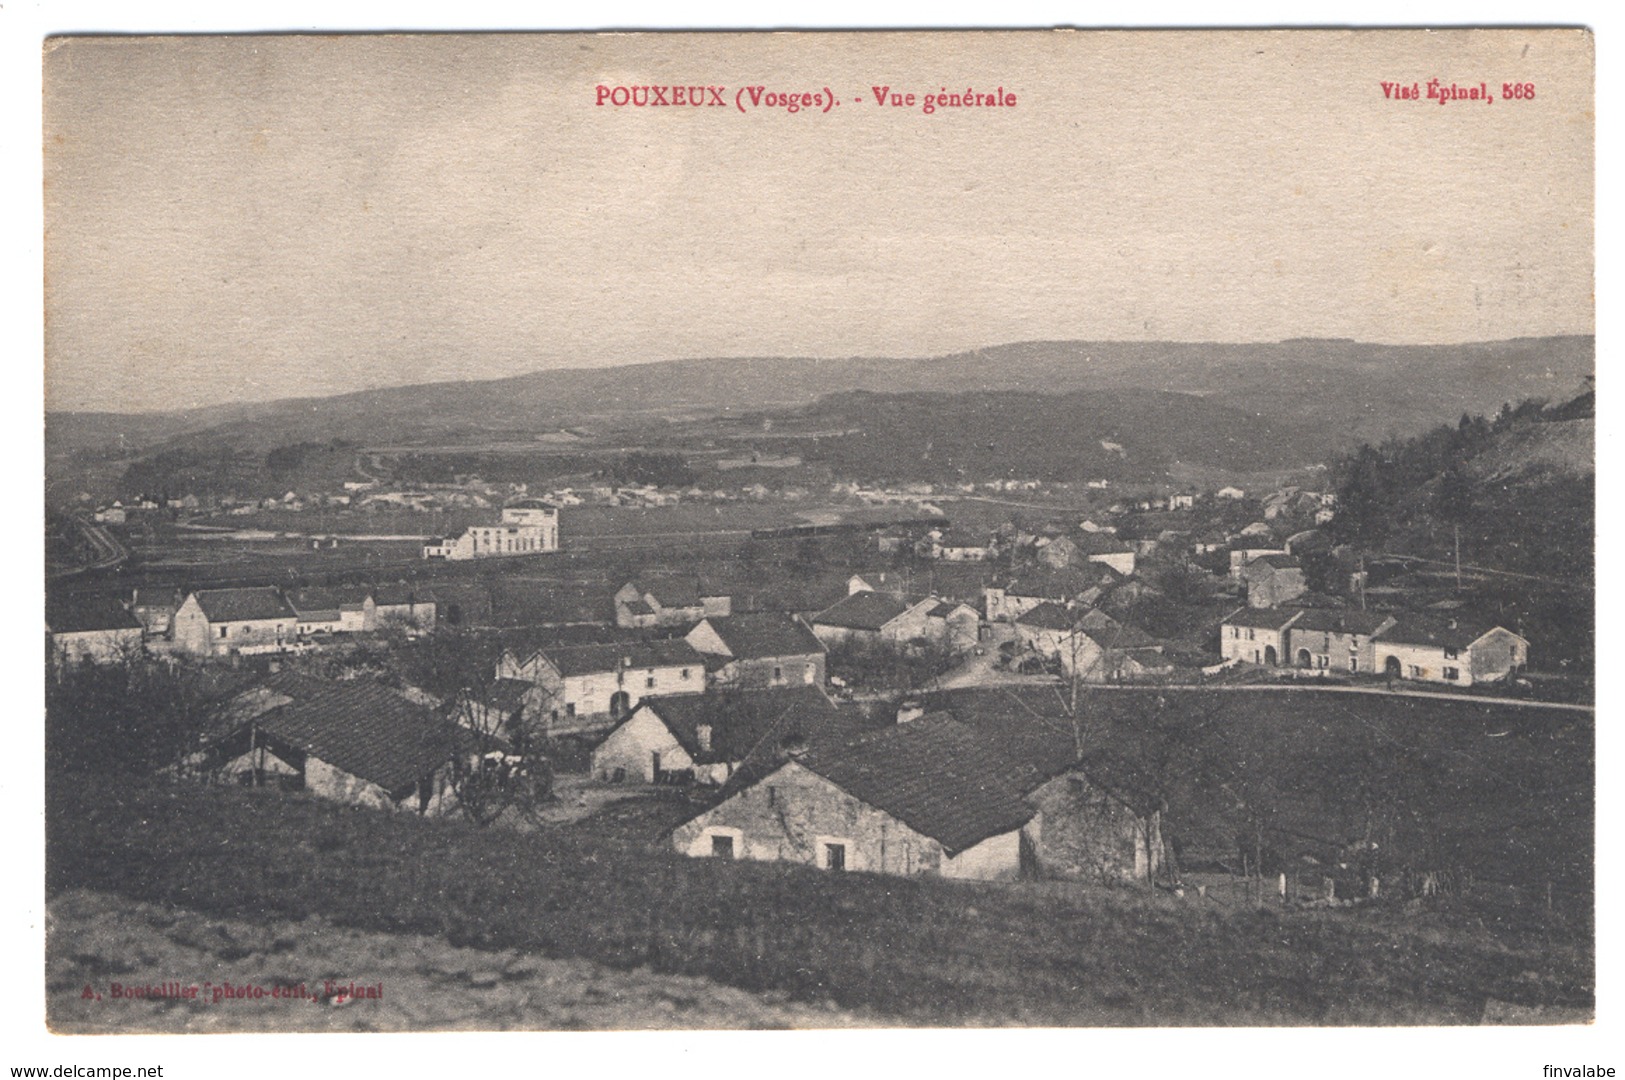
932	774
338	598
1436	632
638	606
945	608
1047	616
1340	622
765	634
1261	618
243	605
359	727
400	594
861	611
507	695
88	614
531	504
740	721
1278	562
631	655
159	598
1101	544
1121	636
1055	583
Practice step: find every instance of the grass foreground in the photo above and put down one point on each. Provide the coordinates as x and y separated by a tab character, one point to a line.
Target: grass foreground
916	950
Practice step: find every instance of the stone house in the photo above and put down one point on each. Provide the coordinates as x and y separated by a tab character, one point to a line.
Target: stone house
1335	640
707	738
672	603
334	610
873	617
1272	580
155	608
585	689
1007	600
1450	650
352	741
1257	635
953	624
95	630
403	606
760	650
221	622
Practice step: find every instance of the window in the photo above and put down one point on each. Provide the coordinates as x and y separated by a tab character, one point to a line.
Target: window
1249	633
1235	631
569	708
1450	654
1354	663
778	673
722	847
772	795
1416	672
223	631
835	856
685	673
1452	674
649	683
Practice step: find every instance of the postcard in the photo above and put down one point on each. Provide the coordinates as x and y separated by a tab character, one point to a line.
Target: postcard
694	531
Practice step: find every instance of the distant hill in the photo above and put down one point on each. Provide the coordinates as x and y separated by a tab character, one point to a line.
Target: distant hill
1115	435
1351	390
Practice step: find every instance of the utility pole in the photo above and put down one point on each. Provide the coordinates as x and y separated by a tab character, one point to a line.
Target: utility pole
1458	558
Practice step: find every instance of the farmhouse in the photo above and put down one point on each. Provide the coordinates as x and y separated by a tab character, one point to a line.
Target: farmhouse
1257	635
707	738
583	689
1272	580
1008	601
335	610
953	624
1456	651
1108	551
672	603
352	741
527	527
924	797
403	607
762	649
220	622
97	630
873	617
1330	640
156	608
1091	646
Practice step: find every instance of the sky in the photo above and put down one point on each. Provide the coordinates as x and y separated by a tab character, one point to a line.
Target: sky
247	218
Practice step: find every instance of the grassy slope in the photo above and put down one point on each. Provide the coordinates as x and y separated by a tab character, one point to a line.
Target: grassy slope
920	950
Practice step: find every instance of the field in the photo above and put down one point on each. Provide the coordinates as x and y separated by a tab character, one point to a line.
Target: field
915	951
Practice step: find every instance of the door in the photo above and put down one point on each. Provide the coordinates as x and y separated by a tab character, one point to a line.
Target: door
835	856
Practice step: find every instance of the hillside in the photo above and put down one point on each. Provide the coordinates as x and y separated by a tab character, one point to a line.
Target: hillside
1348	390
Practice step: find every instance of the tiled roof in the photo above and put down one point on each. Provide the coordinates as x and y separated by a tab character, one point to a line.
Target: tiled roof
945	608
630	655
1261	618
1053	583
88	614
1340	622
1277	562
765	634
861	611
1047	616
1435	632
243	605
339	598
530	504
400	594
160	598
1121	636
740	721
507	695
361	728
932	774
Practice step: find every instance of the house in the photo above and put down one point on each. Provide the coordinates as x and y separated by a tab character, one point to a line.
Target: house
344	610
955	545
924	797
92	629
674	603
1061	551
760	649
1257	635
528	527
1256	528
1031	587
1091	646
584	689
222	622
707	738
1447	649
1107	551
1272	580
880	581
956	794
1241	557
352	741
156	608
403	607
954	624
1088	526
872	617
1333	640
1230	493
1183	501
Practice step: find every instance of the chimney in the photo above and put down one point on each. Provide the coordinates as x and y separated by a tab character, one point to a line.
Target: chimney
910	710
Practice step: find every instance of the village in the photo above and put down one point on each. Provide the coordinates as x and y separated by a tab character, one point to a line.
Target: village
860	721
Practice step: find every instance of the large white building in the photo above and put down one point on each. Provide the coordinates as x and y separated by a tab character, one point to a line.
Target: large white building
528	527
